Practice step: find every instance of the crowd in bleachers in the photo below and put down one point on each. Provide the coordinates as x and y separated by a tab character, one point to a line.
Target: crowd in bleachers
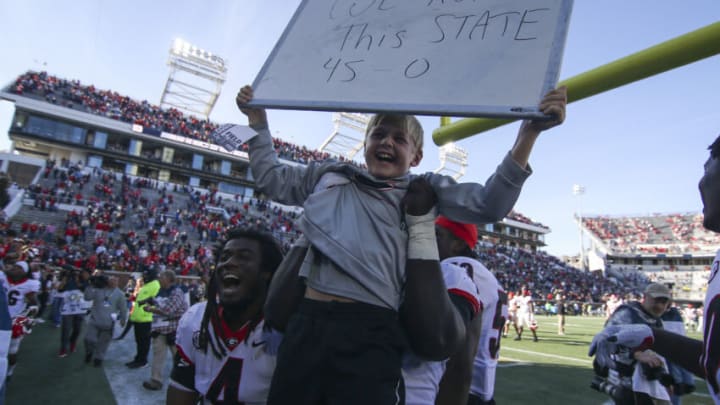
546	275
110	104
128	224
73	94
658	234
516	216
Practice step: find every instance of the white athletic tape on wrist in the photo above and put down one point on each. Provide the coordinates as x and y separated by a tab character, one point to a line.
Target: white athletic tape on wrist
422	244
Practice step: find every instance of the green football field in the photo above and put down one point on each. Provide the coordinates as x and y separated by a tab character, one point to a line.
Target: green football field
555	370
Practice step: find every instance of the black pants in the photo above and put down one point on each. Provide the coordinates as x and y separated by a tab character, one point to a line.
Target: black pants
142	340
475	400
42	300
71	326
340	353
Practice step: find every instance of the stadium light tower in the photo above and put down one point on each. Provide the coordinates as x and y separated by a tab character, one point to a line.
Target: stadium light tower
578	192
348	134
453	160
195	80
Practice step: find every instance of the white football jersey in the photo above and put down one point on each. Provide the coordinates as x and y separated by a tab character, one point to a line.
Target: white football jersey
710	359
243	373
422	378
16	292
513	304
523	304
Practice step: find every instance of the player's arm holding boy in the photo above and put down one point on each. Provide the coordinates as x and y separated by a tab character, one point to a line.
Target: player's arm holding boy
455	384
286	288
434	327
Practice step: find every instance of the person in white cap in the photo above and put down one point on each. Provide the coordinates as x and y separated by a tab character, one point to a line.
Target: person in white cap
22	293
656	300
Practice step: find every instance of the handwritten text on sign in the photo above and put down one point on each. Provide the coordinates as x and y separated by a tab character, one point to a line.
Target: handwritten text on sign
414	53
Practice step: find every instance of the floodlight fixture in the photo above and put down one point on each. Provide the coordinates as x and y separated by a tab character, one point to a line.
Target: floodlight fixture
453	160
348	134
195	80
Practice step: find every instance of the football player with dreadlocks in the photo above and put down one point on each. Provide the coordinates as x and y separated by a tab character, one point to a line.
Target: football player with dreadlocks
225	353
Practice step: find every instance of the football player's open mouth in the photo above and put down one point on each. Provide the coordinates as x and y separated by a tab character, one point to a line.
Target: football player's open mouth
230	281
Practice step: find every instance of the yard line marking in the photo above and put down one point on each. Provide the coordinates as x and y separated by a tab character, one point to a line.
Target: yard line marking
520	364
504	358
506	362
546	355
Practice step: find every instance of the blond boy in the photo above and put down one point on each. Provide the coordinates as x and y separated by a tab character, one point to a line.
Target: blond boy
356	224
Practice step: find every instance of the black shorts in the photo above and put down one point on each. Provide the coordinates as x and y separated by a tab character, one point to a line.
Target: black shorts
340	353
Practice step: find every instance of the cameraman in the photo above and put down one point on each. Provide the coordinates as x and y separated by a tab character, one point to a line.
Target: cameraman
646	381
108	304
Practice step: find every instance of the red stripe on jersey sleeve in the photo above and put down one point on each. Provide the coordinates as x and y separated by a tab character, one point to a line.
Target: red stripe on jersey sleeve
183	355
476	305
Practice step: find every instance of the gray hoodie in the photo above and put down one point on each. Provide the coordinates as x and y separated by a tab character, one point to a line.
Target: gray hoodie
105	302
355	224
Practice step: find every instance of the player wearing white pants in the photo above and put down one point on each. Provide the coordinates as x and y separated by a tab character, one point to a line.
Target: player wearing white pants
525	314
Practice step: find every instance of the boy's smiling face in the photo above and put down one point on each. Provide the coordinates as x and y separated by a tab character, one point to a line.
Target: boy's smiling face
389	151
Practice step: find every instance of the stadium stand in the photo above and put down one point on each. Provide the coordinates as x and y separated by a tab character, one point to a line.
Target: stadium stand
674	233
673	249
153	119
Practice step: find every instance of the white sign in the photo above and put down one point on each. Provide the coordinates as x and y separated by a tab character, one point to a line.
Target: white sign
74	303
435	57
232	136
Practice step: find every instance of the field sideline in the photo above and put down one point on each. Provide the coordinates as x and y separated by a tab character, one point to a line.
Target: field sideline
555	370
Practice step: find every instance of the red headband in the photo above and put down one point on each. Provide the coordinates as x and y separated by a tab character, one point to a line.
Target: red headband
466	232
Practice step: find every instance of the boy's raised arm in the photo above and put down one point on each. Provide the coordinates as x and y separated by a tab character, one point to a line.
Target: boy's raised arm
281	182
553	104
257	118
482	204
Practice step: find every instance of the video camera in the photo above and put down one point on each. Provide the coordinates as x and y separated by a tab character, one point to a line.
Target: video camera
69	272
99	281
657	373
616	380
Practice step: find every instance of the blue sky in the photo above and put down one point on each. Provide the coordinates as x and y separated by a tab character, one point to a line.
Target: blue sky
638	149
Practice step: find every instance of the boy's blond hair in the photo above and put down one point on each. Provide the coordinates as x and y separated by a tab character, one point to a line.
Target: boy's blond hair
408	123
